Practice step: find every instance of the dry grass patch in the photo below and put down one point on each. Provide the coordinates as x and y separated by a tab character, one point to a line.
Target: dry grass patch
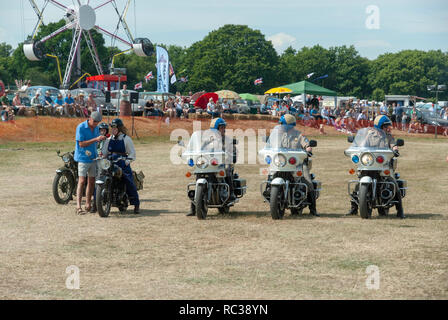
162	254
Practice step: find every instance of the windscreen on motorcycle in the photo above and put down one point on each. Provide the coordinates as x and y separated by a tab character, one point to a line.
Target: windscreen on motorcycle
210	141
371	138
284	137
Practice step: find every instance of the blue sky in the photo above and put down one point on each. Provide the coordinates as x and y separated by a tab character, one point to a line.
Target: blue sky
403	24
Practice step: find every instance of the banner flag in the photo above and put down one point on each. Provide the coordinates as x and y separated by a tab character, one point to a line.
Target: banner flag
162	70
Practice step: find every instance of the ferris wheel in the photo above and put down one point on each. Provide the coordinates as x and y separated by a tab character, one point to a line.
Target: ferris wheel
81	19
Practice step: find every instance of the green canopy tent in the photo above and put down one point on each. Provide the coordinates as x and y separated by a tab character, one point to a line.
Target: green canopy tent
305	87
248	96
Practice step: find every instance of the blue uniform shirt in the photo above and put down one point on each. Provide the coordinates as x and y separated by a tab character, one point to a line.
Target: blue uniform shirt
84	133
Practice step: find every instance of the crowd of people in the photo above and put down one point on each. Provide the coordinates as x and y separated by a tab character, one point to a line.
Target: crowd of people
69	106
346	117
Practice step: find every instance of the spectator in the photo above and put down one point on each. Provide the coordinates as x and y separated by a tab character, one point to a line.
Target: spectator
36	103
399	115
179	105
393	116
69	105
211	108
315	102
59	105
225	106
18	107
48	103
125	104
82	105
4	99
91	104
315	113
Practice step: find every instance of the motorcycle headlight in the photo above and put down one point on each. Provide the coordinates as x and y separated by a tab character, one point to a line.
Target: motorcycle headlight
104	164
201	163
367	159
280	160
66	158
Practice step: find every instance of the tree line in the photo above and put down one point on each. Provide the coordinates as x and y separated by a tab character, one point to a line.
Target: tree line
233	56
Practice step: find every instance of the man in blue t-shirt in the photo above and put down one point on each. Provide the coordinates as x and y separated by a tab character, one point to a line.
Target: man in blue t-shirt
87	136
69	105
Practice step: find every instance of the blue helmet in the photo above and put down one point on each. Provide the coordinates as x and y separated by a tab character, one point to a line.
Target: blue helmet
287	119
217	122
380	121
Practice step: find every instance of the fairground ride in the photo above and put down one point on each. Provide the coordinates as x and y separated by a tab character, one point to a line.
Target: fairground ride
81	19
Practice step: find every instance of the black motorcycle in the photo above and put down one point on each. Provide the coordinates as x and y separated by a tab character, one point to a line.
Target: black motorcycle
110	187
66	179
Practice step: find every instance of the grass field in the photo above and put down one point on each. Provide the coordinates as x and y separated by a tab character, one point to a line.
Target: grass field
162	254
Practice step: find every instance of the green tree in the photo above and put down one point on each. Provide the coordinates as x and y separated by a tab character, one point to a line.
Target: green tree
231	57
5	49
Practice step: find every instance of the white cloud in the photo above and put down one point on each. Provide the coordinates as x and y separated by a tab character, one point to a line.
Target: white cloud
281	41
372	43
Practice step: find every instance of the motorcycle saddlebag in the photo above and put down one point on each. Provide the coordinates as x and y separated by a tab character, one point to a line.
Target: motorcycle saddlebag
138	179
240	187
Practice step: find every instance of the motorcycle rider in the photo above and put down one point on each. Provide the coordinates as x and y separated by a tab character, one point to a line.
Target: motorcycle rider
382	125
291	138
218	125
104	131
120	144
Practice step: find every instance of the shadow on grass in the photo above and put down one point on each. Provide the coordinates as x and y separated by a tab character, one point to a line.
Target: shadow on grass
155	200
143	213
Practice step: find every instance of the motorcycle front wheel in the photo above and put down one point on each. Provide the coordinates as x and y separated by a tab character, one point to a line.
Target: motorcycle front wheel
103	200
200	200
63	187
365	205
277	208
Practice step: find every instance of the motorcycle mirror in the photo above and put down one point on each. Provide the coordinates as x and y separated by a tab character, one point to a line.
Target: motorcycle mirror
313	143
400	142
350	139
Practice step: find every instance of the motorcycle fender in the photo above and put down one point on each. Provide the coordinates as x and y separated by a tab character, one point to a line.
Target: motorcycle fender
62	169
201	181
101	180
278	182
366	180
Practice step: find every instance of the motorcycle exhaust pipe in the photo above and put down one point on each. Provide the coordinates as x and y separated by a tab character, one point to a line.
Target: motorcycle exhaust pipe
386	194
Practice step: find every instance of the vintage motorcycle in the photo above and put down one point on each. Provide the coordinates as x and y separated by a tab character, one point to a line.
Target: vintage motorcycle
110	186
285	186
214	172
66	179
378	181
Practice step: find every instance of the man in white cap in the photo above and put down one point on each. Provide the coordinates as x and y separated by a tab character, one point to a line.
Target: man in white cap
87	136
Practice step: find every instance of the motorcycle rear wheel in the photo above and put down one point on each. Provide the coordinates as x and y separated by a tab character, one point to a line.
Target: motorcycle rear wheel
63	182
103	201
200	199
365	206
277	209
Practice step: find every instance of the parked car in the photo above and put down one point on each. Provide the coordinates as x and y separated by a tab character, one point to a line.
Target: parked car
137	109
155	96
31	92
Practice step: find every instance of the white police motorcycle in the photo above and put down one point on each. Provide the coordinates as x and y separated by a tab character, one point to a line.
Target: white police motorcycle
213	170
378	182
286	186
